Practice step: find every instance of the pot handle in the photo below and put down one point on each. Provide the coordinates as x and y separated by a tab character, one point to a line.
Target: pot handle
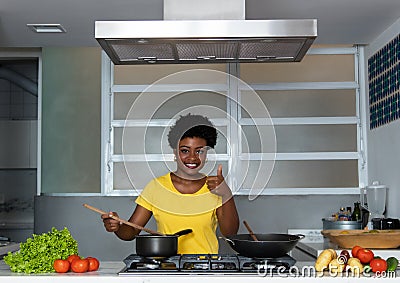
227	240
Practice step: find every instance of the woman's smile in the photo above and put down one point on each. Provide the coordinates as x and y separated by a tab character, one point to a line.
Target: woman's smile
191	165
191	155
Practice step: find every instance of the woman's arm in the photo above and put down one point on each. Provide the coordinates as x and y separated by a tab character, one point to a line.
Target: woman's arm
140	216
228	218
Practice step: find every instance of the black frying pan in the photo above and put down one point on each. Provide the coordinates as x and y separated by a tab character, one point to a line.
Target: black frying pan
267	246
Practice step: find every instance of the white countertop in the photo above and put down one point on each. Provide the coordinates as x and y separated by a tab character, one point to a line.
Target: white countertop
108	272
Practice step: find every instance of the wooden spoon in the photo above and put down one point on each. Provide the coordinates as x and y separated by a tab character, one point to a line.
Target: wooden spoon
123	221
252	235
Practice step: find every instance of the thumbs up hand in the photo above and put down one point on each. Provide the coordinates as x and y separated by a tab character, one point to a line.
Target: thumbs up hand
216	184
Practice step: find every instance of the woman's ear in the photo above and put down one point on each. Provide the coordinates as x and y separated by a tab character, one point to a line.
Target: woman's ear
175	154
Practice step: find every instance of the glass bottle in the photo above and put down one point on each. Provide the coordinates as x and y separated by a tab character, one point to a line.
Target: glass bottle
342	214
356	215
348	213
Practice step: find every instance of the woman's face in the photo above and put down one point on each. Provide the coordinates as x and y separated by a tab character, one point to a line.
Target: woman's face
191	154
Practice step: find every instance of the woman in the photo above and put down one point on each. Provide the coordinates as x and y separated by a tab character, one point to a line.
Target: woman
186	198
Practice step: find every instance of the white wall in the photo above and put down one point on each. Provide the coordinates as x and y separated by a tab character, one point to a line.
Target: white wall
384	141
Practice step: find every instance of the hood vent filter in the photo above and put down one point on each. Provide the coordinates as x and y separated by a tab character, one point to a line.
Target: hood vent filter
208	41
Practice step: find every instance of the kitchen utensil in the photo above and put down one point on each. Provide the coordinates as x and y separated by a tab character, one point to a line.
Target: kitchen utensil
123	221
369	239
267	246
250	231
159	246
182	232
376	199
154	245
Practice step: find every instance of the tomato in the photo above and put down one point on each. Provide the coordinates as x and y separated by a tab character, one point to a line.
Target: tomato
378	265
355	250
61	265
93	263
72	257
365	255
80	265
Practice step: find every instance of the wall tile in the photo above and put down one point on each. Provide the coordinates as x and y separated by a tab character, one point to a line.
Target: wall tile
383	83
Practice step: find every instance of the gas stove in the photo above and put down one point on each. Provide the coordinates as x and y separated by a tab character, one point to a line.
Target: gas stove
206	263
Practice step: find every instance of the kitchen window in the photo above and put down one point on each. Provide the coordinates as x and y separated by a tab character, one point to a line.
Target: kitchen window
284	128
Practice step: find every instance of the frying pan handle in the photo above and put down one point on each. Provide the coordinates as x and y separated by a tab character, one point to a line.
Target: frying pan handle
301	236
227	240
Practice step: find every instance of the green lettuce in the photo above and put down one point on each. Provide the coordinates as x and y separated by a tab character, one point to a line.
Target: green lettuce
38	253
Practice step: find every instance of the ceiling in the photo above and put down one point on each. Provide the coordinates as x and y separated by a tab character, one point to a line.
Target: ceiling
339	21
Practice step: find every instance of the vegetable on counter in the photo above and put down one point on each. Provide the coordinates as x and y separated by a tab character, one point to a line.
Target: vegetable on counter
61	265
80	265
362	261
378	265
355	250
392	263
324	258
93	263
37	254
365	255
355	265
76	264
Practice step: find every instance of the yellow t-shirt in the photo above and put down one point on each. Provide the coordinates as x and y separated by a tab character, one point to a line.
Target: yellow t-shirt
174	211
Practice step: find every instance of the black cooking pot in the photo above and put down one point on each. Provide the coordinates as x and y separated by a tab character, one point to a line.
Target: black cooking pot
267	246
159	245
156	246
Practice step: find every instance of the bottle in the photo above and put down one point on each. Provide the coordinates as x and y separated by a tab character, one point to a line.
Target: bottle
366	222
356	216
348	213
342	214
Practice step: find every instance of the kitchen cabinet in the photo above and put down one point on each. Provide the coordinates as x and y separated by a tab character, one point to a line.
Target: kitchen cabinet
71	120
315	101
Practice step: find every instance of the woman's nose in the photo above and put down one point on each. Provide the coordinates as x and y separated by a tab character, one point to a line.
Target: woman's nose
193	155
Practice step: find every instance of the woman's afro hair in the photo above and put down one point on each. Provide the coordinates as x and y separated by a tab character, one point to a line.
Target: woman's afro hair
192	126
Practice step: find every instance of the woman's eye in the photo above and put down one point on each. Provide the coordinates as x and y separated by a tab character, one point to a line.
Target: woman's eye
201	151
184	150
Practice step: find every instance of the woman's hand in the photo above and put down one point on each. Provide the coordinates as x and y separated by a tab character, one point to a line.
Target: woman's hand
217	185
110	224
228	218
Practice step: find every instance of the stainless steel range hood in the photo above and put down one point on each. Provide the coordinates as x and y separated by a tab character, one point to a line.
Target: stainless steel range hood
205	41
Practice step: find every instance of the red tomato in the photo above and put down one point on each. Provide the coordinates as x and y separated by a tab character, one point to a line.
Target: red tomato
355	250
378	265
80	265
93	263
365	255
72	257
61	265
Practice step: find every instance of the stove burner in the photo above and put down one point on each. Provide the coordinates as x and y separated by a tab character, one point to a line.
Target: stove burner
207	263
136	263
269	265
227	263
